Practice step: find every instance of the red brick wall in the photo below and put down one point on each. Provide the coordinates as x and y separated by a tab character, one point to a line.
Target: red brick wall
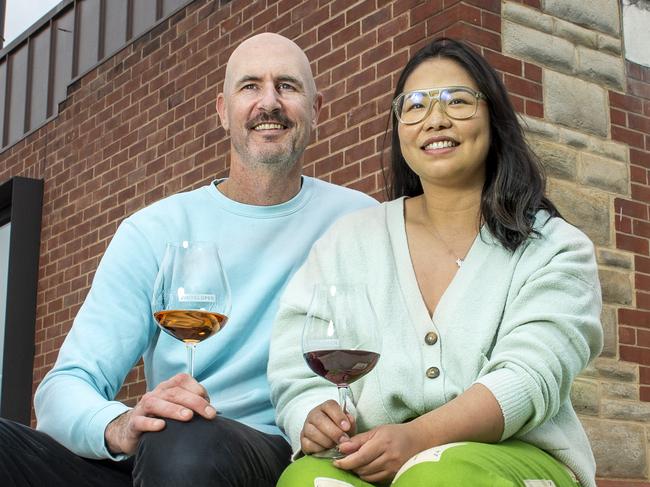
630	118
142	126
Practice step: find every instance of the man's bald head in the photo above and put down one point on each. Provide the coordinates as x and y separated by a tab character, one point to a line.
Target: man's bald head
269	49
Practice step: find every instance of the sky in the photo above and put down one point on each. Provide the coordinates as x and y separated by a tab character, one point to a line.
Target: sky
22	14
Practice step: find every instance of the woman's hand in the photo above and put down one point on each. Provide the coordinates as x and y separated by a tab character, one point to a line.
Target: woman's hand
377	455
325	427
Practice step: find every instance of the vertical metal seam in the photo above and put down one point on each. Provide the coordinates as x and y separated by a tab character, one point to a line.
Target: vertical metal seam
102	30
3	14
75	40
129	20
51	70
28	85
159	10
5	126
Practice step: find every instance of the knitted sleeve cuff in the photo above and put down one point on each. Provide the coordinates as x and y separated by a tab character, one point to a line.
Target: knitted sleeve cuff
511	392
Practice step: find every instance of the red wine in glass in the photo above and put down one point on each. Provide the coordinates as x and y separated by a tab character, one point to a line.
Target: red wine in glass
337	341
341	367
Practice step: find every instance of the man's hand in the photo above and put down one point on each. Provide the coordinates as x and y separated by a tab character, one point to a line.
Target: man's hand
377	455
177	398
325	427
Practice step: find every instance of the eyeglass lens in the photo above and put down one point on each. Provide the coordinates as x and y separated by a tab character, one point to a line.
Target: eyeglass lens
414	106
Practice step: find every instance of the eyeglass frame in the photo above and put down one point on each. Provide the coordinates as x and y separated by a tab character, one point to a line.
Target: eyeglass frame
476	94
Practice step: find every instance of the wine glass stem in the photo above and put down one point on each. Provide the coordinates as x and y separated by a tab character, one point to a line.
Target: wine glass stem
191	347
343	397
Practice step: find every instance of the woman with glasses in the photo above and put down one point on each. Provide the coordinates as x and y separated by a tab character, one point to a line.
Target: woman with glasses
487	302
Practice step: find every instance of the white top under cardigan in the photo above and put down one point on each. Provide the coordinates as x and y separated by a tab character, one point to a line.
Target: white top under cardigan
523	324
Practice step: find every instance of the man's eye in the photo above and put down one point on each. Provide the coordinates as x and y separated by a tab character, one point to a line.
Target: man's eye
249	86
285	87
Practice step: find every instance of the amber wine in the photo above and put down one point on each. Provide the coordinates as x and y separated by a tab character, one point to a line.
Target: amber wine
190	326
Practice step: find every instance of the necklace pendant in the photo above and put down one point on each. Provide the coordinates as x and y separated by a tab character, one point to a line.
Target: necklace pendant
459	262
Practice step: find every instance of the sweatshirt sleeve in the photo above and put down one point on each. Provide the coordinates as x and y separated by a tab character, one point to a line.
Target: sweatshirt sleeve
549	332
75	401
295	389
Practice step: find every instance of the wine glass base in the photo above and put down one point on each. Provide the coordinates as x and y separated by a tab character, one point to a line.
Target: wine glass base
332	454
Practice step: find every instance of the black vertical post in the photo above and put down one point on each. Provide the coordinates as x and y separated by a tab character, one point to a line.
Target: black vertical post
3	10
25	198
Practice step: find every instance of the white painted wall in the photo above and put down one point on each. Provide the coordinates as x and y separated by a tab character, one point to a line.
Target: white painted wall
5	231
636	31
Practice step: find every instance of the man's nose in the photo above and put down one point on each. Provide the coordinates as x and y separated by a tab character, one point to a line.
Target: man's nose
269	99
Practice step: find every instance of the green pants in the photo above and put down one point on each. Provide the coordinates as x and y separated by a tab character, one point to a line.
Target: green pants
507	464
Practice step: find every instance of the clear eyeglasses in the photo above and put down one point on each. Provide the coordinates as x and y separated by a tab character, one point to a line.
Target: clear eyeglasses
457	102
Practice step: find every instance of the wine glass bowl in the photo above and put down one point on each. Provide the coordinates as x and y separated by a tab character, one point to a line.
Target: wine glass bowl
339	340
191	296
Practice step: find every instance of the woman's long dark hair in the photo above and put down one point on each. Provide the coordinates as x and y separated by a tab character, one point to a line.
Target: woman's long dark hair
514	180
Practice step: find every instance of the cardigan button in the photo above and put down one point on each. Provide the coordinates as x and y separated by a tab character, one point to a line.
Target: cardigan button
431	338
433	372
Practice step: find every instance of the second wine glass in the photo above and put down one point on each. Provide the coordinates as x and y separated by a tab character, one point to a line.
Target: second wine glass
339	340
191	296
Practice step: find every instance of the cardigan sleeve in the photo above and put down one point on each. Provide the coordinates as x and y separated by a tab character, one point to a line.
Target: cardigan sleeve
549	332
295	389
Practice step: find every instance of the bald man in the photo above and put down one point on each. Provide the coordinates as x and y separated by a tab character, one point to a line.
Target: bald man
217	428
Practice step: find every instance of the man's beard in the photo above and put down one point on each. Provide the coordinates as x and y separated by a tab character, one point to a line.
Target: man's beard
280	155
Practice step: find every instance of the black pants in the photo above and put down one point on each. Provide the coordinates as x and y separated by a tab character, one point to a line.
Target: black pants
220	452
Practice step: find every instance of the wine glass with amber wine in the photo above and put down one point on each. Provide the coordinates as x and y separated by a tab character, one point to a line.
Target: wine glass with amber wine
191	295
339	340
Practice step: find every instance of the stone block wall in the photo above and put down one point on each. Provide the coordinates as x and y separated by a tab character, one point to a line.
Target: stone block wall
142	126
594	139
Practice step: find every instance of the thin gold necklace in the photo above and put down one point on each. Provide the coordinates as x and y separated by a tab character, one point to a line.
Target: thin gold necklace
436	234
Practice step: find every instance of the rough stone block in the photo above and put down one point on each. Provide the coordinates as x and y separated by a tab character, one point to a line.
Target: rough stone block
529	17
616	390
609	44
613	150
617	286
546	49
598	66
585	396
619	448
594	14
538	127
558	160
611	369
575	103
585	208
628	410
614	259
610	331
603	173
576	34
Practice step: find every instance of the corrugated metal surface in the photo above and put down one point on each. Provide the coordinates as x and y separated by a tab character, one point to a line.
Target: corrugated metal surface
73	38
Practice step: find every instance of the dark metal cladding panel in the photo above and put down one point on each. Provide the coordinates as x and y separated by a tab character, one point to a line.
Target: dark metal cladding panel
88	34
115	31
63	56
3	87
144	16
170	6
40	75
18	92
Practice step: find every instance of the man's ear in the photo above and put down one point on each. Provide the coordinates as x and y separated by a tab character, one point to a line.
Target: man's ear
318	103
221	110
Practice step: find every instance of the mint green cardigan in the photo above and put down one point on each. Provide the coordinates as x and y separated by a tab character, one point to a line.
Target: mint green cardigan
522	323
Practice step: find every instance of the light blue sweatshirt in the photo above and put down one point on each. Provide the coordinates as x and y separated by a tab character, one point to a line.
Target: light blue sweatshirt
261	247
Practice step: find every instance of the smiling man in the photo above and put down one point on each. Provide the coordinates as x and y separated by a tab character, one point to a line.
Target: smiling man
217	429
